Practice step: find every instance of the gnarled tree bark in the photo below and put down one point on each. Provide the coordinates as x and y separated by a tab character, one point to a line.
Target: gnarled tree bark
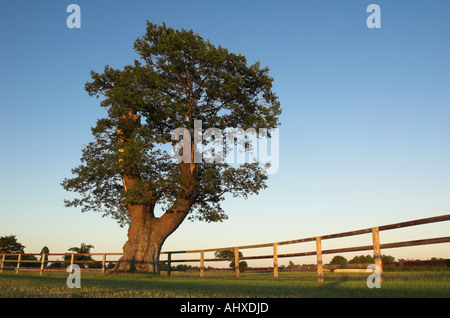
147	233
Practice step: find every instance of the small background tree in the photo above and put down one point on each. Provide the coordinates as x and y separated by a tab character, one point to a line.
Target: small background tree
338	260
230	254
387	258
84	248
10	245
45	251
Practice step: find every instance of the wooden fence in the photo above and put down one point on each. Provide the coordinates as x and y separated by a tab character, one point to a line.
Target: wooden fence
376	247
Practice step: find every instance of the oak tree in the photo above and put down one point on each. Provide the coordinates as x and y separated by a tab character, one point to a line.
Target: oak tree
128	172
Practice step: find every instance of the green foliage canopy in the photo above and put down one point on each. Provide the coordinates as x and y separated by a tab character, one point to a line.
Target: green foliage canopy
179	78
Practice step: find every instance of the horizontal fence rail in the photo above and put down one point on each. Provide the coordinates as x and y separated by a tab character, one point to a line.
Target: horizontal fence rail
376	247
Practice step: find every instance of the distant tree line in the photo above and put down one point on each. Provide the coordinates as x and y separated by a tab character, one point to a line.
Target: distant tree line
10	245
360	259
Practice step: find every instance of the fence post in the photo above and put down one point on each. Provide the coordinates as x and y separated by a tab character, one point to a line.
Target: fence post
169	261
236	261
42	264
275	260
71	260
377	251
3	261
18	263
202	264
104	263
319	259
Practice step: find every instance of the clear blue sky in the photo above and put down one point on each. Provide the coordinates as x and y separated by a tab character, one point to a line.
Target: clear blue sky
365	135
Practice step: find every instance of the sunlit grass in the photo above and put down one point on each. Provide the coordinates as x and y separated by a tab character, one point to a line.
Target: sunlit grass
220	285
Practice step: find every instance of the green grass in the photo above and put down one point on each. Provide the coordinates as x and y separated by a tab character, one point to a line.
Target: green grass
224	285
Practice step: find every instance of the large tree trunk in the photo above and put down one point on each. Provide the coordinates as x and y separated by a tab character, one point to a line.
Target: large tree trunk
146	236
141	251
147	233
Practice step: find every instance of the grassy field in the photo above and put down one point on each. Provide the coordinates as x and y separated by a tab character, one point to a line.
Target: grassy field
224	285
